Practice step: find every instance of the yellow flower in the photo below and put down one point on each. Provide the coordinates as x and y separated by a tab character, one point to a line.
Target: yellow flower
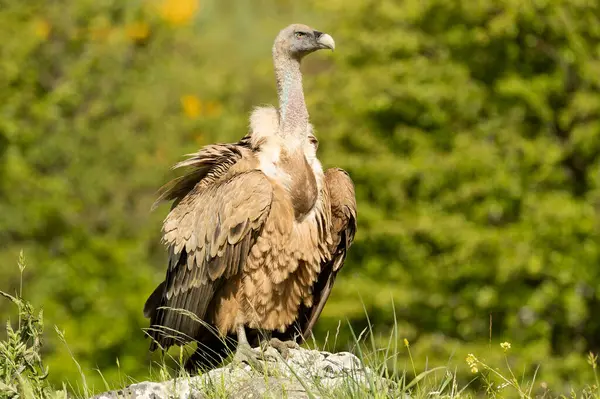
178	12
406	343
472	362
505	346
137	31
42	28
192	106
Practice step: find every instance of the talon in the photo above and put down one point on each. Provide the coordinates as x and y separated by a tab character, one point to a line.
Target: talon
283	347
245	354
257	360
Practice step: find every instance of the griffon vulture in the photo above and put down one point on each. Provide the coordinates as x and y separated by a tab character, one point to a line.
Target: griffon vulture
257	231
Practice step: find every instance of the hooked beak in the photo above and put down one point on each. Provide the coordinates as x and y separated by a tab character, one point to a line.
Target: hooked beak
325	41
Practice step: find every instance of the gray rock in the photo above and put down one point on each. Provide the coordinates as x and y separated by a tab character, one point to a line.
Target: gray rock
303	374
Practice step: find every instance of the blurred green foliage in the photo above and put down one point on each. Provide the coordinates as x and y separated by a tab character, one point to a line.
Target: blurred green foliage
471	130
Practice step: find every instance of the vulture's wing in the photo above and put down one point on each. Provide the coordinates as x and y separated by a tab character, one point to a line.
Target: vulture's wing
343	218
208	164
209	233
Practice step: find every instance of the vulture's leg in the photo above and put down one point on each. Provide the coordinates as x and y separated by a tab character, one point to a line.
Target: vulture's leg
241	335
245	354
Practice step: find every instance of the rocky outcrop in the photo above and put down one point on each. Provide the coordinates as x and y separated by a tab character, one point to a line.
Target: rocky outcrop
305	373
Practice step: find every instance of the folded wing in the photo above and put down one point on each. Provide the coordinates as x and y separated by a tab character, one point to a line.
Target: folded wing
343	214
219	210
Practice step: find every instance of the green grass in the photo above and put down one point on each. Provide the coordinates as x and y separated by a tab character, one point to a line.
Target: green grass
23	374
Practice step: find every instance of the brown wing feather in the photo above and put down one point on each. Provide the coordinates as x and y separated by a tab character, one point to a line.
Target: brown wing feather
209	232
211	161
343	213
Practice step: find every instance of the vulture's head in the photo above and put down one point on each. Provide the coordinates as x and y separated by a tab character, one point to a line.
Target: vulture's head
298	40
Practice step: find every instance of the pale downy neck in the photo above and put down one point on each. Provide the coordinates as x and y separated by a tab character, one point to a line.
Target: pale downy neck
293	122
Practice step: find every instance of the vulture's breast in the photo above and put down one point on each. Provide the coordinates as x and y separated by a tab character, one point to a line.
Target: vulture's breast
293	172
302	187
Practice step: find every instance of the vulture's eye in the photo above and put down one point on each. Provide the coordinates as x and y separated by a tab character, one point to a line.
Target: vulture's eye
300	35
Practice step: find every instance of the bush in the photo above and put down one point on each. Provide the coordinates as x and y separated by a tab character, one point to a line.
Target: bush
22	372
472	131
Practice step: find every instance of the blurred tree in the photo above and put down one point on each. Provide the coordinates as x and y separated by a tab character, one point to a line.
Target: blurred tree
472	130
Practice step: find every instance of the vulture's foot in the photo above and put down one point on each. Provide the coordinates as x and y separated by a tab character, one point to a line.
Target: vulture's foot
283	347
255	359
